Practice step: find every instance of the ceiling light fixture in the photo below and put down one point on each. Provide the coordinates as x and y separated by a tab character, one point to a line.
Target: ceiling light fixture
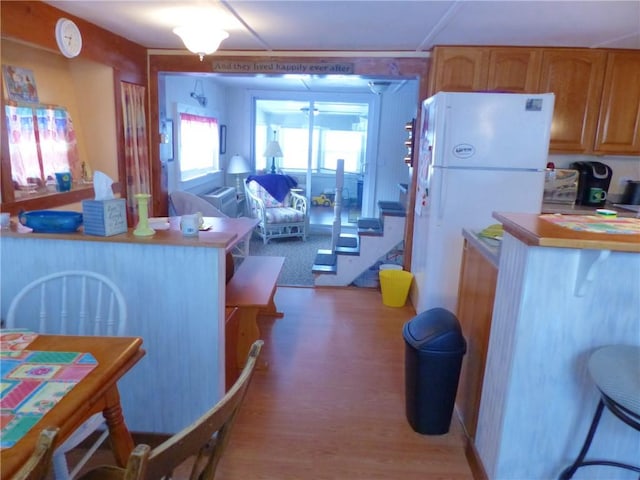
198	94
201	40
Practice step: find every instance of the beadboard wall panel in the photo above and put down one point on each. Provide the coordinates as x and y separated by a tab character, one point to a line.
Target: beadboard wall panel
174	302
500	352
545	333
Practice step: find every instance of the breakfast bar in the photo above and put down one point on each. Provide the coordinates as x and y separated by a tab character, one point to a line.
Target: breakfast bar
562	291
174	288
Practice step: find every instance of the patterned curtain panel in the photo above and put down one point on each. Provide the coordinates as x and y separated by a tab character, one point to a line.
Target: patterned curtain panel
42	141
135	144
58	143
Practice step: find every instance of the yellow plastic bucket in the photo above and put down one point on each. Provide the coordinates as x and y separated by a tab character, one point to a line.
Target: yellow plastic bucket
394	285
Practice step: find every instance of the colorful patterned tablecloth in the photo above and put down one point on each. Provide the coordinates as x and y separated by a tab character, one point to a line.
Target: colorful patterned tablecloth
16	339
33	382
596	223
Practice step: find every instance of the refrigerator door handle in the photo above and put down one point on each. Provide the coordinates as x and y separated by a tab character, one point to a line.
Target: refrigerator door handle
442	195
445	134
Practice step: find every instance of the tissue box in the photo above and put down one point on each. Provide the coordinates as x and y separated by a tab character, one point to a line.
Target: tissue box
104	217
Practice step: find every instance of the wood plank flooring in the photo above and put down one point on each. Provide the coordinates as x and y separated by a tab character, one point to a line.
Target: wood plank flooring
330	403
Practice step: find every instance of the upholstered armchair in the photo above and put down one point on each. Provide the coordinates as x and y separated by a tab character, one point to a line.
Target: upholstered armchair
280	211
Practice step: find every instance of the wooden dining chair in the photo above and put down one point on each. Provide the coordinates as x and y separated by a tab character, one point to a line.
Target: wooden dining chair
205	439
73	302
38	465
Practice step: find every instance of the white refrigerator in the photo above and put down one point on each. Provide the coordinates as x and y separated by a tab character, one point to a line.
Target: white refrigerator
477	153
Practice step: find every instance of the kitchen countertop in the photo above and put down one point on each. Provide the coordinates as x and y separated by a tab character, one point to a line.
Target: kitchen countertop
530	229
573	209
488	247
224	233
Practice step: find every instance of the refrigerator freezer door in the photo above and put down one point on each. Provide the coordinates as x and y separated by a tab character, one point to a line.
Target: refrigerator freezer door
462	198
492	130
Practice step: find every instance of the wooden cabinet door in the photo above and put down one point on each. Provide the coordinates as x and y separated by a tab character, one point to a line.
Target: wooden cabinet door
575	76
231	327
476	292
458	69
515	70
619	123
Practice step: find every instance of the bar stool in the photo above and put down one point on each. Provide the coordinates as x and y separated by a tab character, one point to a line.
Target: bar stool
615	370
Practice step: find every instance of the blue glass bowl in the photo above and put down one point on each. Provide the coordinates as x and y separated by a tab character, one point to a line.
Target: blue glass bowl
51	221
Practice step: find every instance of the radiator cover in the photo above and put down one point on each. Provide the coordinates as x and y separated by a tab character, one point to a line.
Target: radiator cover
224	199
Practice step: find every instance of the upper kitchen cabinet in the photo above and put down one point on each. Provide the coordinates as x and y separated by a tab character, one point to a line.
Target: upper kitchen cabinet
597	91
474	69
619	124
575	76
515	70
459	69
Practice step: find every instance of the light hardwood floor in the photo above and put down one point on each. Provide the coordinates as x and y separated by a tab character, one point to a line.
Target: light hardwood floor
330	403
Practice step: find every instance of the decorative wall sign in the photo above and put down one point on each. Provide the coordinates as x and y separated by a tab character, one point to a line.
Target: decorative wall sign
308	68
20	83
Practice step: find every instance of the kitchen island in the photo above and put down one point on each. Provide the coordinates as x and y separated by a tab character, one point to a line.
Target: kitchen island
174	288
575	209
560	294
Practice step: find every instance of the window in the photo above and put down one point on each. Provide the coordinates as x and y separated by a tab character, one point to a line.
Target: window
339	132
41	142
350	146
328	147
295	148
199	141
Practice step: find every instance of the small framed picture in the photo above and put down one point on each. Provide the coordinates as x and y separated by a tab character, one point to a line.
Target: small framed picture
223	139
20	83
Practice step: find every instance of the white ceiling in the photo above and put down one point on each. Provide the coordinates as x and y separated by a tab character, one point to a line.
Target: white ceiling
374	26
363	27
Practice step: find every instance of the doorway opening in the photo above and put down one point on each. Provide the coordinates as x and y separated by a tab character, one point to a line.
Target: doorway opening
313	134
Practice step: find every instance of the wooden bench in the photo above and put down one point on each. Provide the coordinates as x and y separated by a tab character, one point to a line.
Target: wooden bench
249	293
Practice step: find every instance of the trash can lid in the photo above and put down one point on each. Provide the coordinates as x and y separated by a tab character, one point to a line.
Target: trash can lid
436	330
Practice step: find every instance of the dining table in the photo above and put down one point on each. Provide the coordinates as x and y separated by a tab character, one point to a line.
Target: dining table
95	392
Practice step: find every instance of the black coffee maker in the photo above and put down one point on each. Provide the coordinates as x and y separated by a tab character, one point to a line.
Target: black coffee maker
593	183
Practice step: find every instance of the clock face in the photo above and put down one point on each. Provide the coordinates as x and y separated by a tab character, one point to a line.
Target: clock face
68	38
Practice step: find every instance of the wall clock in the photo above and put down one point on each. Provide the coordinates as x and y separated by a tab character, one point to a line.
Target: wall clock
68	37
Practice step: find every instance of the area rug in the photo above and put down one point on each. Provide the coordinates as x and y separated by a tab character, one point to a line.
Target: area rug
299	256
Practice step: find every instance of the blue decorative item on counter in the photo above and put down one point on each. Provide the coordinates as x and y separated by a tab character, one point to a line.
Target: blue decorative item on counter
64	182
51	221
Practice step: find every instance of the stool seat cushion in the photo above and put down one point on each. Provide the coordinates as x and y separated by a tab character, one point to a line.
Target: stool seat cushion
615	369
